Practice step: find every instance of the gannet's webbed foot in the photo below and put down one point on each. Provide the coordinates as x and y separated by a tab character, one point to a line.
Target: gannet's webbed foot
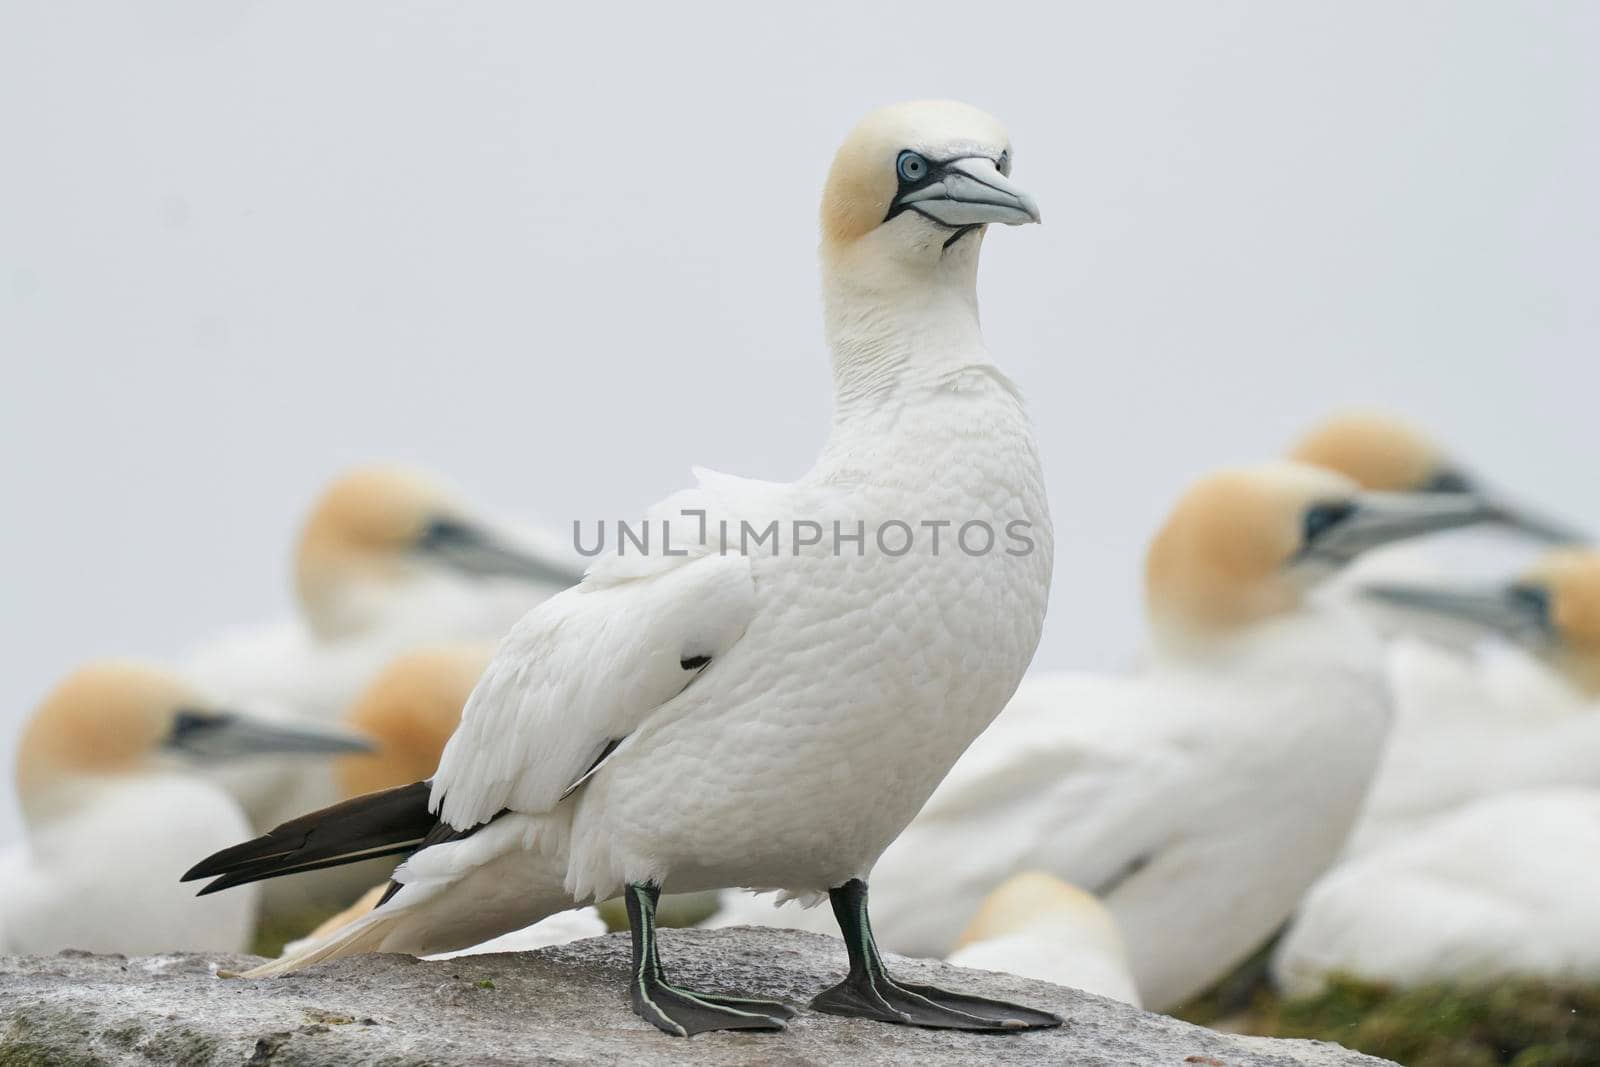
679	1011
869	993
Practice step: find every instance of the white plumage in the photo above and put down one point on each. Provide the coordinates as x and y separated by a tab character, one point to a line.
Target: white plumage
1503	886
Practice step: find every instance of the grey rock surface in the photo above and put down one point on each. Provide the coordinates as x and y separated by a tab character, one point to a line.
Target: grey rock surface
563	1005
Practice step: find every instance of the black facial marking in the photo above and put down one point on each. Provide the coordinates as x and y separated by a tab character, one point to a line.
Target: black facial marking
1320	518
190	729
1448	480
444	533
1535	599
937	168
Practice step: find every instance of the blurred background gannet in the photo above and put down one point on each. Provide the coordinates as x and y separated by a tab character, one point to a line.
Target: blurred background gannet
113	812
1199	798
387	560
1524	720
1504	886
712	718
1037	926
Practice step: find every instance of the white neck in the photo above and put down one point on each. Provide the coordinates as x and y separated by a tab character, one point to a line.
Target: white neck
898	329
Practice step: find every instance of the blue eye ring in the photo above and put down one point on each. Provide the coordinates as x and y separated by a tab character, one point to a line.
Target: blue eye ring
911	167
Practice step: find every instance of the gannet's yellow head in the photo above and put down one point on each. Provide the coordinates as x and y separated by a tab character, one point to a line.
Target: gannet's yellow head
115	719
1553	610
1380	453
1245	544
1025	898
1384	454
914	181
409	712
379	527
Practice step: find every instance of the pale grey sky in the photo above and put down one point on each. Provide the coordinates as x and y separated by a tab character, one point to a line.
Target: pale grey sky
561	252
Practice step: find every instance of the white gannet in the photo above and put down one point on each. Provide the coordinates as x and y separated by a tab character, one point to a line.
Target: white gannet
1462	735
726	713
1037	926
387	560
1504	886
1200	797
111	809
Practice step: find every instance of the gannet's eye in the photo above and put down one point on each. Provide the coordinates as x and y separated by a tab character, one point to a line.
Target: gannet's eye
1003	164
1320	518
912	167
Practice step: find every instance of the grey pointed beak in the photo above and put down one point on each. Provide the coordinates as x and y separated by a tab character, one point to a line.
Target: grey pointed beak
1518	612
972	192
472	550
208	734
1384	518
1539	527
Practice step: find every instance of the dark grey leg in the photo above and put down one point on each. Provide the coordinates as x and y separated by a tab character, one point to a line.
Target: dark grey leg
679	1011
869	993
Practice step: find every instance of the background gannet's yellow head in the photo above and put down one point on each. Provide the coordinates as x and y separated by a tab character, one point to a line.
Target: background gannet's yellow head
916	181
409	712
1553	610
1378	452
116	719
1570	582
1245	544
377	528
1024	899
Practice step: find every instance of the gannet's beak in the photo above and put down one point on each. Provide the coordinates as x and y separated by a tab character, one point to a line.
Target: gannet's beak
971	192
1539	527
1384	518
1519	612
1535	526
471	550
220	735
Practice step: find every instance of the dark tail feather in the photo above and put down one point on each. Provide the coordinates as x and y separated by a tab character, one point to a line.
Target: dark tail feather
387	823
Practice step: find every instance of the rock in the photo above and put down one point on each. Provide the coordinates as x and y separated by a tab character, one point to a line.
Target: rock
558	1005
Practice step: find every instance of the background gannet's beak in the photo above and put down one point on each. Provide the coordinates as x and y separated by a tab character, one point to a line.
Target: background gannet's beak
1384	518
1518	612
220	735
471	550
1538	527
972	192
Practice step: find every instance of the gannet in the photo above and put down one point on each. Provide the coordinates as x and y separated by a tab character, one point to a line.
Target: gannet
1462	735
386	561
1199	798
1501	887
1037	926
723	713
111	809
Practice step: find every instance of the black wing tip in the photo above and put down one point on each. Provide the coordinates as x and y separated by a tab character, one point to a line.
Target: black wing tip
289	848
